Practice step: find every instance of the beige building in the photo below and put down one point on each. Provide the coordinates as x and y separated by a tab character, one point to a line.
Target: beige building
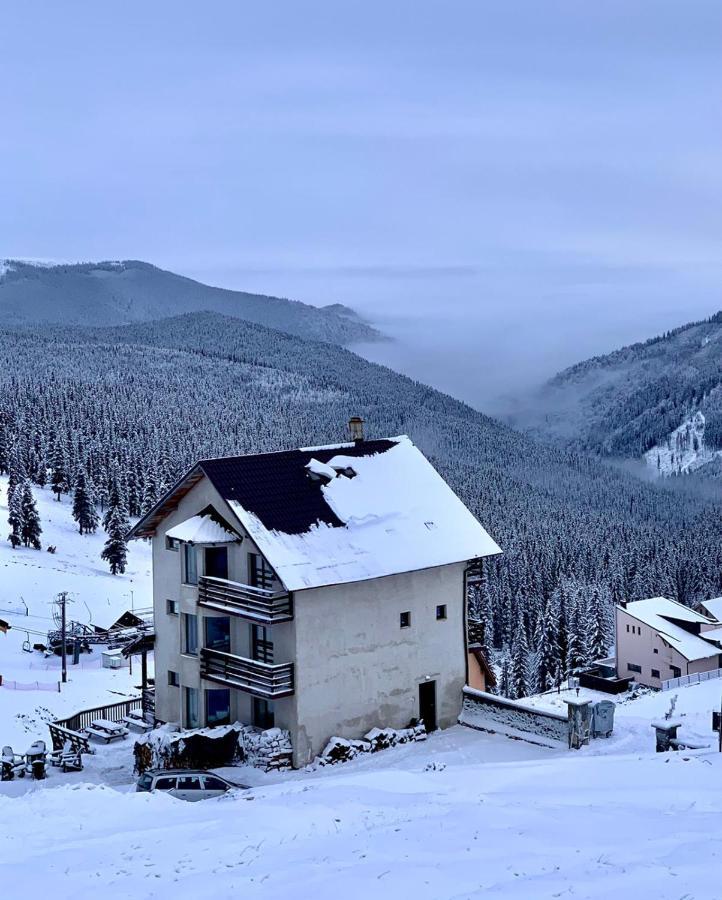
658	639
319	590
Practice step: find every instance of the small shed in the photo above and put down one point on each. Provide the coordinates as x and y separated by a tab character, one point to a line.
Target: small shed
112	659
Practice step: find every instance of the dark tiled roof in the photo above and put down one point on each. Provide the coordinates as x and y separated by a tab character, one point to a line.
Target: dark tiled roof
276	487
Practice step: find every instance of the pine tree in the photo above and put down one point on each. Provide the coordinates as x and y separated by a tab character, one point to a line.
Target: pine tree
30	526
84	511
115	552
4	449
17	473
519	674
576	656
15	519
504	684
59	480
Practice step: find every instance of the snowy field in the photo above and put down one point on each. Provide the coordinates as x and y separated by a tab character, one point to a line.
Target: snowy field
466	814
30	580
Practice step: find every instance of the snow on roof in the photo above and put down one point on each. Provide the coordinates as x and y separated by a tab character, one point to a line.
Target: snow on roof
323	470
201	529
396	515
714	607
656	612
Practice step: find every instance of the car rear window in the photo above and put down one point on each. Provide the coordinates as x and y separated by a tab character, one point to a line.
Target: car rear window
189	783
165	784
214	784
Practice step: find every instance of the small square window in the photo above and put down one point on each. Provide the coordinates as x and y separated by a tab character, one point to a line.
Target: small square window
173	679
172	607
441	611
405	619
172	544
655	673
655	650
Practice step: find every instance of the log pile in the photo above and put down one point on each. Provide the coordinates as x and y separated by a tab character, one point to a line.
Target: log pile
269	750
341	749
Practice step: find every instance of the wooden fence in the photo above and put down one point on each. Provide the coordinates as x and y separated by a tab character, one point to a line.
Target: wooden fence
114	712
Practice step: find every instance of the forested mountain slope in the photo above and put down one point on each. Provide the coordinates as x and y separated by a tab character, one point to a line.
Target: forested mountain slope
660	400
145	401
113	293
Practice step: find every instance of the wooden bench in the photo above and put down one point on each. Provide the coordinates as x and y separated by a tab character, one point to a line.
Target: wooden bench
105	730
68	748
60	736
137	722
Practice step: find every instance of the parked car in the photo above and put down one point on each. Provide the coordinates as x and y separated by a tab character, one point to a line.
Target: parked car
186	784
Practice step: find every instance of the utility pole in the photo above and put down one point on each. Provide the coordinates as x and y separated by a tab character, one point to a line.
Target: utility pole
62	600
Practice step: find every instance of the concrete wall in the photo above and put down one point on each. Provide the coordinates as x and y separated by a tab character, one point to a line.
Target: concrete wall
641	645
485	711
356	668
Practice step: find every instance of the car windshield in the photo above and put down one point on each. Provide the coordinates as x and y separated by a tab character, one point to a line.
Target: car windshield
144	783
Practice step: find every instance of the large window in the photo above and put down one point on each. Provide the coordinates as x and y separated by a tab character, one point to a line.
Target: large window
259	572
191	704
190	634
190	564
263	714
218	706
261	643
218	633
633	667
216	562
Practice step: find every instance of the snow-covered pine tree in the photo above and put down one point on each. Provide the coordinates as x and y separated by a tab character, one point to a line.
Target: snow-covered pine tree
84	511
30	519
576	653
115	551
59	479
16	474
548	646
15	520
519	671
504	684
597	637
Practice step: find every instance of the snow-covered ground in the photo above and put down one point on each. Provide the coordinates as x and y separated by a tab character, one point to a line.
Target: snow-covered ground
31	580
464	814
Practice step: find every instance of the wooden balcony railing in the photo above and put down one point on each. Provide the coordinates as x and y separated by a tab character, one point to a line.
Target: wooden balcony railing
267	680
252	603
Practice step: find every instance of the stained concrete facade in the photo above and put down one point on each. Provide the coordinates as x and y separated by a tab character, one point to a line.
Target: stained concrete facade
355	666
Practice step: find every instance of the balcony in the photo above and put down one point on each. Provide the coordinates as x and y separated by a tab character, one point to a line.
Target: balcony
266	680
252	603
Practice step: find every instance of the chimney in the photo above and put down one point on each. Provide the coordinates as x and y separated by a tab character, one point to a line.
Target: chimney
356	429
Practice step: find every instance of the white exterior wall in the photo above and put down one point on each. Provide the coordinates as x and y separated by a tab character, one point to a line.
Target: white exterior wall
645	647
356	668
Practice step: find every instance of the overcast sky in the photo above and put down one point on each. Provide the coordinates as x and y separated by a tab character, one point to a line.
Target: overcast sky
524	182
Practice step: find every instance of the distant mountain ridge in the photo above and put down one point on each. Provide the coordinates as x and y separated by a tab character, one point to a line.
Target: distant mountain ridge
659	401
127	291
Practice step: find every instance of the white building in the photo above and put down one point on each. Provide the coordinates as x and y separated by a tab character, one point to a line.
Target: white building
658	639
319	590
